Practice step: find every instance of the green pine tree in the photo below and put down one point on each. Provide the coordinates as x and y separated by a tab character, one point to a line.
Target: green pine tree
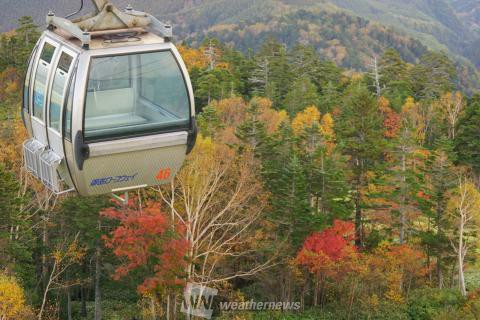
434	75
285	177
467	140
302	94
360	128
252	130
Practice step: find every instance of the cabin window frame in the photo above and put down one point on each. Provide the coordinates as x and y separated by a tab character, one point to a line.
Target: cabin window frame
69	91
27	81
114	137
56	45
64	95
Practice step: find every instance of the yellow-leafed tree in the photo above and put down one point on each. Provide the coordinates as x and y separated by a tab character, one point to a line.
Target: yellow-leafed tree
12	299
464	212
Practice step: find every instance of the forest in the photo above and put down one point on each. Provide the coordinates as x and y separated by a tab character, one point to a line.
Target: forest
353	193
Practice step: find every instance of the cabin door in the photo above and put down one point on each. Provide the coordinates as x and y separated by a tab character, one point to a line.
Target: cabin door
43	72
61	74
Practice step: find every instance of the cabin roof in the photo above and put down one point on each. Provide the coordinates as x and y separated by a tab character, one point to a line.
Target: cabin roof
114	38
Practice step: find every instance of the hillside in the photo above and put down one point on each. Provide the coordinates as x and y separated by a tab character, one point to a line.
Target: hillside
349	41
450	25
469	12
439	23
348	32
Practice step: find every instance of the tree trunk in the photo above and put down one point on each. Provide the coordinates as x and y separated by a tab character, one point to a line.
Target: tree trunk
461	276
83	309
316	290
439	271
358	221
403	198
98	302
69	304
168	307
45	293
440	209
152	309
175	306
302	297
322	205
44	256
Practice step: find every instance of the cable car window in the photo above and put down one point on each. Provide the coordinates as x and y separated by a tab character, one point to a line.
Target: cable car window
110	73
67	124
47	52
58	87
137	94
40	82
28	75
162	84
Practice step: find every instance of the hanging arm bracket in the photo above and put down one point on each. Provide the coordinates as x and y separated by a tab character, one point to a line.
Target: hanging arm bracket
108	17
68	26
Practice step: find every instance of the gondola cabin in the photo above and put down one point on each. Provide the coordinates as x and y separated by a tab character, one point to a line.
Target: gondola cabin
106	111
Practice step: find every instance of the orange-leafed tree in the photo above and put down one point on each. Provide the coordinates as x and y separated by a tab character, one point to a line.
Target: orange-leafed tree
194	58
147	240
268	115
392	270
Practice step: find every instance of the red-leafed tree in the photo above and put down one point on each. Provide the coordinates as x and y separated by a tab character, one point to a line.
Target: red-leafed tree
147	240
330	253
391	120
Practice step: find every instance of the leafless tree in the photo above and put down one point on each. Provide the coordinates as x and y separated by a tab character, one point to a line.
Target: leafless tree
464	210
219	199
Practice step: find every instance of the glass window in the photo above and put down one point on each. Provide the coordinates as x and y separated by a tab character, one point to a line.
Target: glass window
47	52
58	87
26	85
135	94
40	83
67	124
110	73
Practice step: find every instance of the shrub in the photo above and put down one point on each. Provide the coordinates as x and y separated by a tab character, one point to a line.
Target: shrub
430	303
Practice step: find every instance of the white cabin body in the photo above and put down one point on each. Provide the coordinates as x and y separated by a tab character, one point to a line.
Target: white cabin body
116	116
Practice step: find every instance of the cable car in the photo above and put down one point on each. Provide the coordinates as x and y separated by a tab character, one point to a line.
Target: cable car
107	103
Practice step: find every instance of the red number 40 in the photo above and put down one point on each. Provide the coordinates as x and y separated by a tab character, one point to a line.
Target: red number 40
163	174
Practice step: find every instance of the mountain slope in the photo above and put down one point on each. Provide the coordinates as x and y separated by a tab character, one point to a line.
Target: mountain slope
349	41
349	32
440	24
448	25
469	12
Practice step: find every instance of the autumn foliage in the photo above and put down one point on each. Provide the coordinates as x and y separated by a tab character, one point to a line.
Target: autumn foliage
394	269
148	240
330	249
12	300
389	271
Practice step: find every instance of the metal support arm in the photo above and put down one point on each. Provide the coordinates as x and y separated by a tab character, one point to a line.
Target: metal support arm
69	27
99	4
165	30
108	17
